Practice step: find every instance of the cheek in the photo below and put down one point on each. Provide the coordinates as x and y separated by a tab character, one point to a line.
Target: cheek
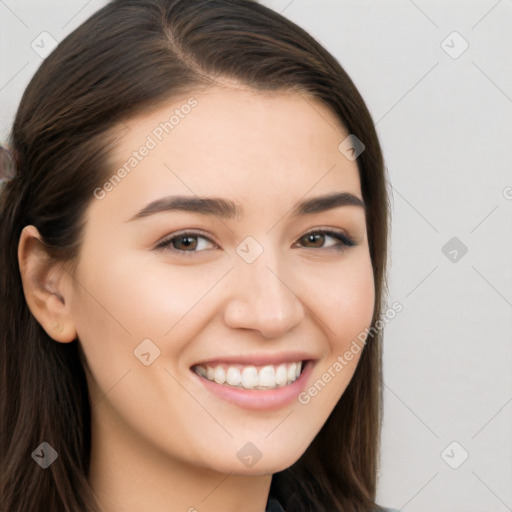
343	299
118	306
119	302
357	300
138	298
345	309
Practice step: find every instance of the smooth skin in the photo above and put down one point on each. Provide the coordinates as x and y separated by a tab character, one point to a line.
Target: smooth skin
162	441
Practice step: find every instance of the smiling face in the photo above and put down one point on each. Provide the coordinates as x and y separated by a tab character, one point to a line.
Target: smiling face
171	297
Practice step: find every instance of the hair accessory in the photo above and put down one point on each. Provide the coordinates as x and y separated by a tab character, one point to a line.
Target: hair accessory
7	166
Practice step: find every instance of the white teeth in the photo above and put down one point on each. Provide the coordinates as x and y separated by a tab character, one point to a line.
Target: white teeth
249	377
233	377
290	374
281	375
220	375
267	377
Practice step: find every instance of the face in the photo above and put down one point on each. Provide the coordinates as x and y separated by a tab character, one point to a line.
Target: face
217	334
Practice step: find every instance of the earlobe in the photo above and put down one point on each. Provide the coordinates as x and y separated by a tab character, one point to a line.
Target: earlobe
45	285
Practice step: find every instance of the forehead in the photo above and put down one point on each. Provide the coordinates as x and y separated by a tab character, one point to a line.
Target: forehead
233	142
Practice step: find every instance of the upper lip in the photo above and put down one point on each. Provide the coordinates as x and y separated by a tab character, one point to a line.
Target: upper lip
257	359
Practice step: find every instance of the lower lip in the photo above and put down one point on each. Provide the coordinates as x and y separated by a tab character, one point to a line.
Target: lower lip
256	399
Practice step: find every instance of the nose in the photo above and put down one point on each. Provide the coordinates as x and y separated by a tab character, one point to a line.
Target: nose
263	299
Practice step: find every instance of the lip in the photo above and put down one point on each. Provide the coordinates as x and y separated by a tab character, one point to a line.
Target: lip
258	400
257	359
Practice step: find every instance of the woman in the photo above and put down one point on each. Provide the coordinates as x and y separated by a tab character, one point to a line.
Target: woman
193	254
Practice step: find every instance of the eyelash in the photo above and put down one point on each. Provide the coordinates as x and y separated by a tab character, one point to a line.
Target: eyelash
338	235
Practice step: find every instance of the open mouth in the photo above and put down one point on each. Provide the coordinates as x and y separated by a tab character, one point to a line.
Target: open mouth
270	376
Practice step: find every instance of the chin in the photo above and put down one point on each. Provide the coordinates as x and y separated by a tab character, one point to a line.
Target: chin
267	464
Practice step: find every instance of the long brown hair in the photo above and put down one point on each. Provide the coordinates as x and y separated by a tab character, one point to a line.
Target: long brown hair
129	57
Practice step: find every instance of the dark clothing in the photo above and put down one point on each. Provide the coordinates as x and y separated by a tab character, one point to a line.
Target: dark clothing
274	506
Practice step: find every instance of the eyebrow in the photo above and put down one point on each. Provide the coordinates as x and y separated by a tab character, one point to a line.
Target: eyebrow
228	209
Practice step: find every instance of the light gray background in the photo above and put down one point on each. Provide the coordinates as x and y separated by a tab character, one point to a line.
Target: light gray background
445	124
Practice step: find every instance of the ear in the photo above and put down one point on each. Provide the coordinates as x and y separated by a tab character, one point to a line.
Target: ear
47	286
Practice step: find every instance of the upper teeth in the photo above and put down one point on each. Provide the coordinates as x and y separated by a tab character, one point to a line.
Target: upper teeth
250	377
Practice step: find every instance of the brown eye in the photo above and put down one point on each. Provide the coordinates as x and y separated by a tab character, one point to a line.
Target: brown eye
314	238
185	244
318	238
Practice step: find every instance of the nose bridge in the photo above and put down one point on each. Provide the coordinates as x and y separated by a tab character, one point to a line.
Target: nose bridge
261	296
